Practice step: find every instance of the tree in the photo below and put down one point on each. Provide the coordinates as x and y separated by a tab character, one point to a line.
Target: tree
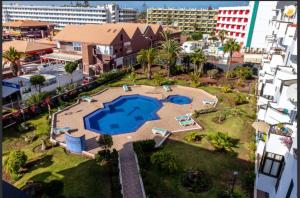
212	73
222	35
106	141
195	78
231	46
165	161
70	67
186	60
86	4
147	56
195	36
15	160
37	81
198	58
132	76
221	141
36	98
13	57
169	52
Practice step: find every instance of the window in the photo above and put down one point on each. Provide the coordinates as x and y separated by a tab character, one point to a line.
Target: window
272	164
76	46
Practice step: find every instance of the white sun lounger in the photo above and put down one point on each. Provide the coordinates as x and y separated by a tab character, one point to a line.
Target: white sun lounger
86	98
183	117
162	132
206	101
61	130
187	122
167	88
126	88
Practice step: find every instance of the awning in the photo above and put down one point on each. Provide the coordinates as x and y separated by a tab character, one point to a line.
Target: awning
261	126
63	57
7	91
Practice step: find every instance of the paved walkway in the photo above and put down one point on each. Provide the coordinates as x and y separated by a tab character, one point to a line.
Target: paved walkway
130	176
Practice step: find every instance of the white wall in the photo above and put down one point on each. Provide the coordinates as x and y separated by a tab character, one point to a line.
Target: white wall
261	23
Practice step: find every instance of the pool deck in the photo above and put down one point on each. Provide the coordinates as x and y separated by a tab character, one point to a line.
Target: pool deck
73	116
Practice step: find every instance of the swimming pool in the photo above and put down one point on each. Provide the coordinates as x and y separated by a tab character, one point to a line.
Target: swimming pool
179	99
123	115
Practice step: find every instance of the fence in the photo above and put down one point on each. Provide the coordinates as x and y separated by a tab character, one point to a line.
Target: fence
26	113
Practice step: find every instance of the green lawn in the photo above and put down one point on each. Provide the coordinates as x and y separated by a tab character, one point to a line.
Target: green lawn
81	176
219	166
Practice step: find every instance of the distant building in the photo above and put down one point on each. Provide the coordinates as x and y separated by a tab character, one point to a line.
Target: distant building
186	19
108	46
62	16
27	29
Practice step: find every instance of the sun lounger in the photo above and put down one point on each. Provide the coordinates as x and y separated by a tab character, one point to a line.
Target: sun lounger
206	101
126	88
86	98
167	88
187	122
183	117
162	132
61	130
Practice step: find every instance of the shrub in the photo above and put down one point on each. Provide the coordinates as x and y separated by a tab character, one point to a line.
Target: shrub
243	72
15	160
221	141
212	73
196	181
240	99
226	193
195	78
158	78
248	180
102	156
164	161
226	89
132	77
54	188
145	145
197	113
106	141
193	137
36	98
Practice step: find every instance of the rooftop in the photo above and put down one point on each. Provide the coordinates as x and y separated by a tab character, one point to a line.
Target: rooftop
26	46
26	23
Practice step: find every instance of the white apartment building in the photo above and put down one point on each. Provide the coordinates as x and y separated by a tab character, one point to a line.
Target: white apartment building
62	16
276	125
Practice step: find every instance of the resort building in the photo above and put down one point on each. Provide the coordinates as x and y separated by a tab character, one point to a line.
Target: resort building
62	16
186	19
276	125
116	47
234	21
27	29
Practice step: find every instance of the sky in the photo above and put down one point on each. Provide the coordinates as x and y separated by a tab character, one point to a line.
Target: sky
139	4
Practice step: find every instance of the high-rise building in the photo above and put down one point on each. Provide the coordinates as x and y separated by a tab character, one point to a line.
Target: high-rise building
276	124
62	16
186	19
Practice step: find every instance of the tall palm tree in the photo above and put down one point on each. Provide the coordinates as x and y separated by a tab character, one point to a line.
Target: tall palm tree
231	46
147	56
141	58
170	50
222	35
198	58
13	56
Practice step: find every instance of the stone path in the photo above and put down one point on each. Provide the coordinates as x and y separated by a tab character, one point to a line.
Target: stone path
131	184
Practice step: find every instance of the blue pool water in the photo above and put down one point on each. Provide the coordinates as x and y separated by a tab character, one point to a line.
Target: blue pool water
178	99
123	115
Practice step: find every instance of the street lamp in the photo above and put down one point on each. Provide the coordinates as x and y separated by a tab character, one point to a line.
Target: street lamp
150	40
235	174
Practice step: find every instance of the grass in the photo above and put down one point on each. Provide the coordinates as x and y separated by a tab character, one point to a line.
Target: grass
81	176
202	155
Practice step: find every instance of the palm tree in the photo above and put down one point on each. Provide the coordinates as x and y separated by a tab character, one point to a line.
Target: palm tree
231	46
198	58
170	50
13	56
141	58
148	57
222	35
